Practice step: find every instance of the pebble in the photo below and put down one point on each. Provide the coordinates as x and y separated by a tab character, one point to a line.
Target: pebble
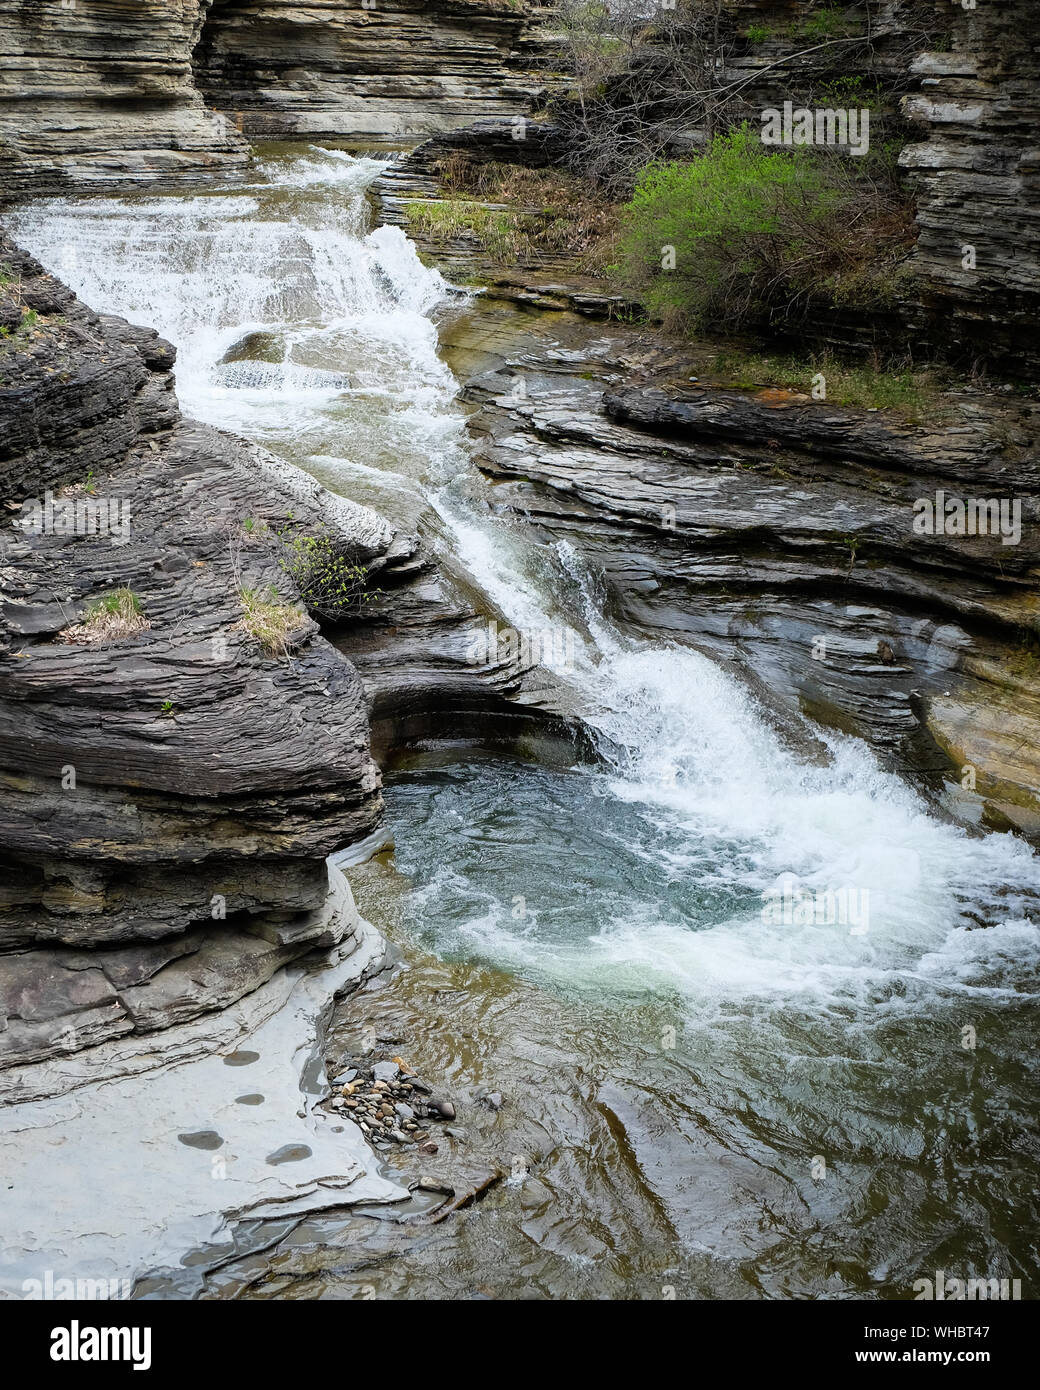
433	1185
428	1148
444	1108
386	1071
343	1080
493	1101
404	1112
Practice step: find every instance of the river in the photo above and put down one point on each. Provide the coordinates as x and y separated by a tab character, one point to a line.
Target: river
761	1028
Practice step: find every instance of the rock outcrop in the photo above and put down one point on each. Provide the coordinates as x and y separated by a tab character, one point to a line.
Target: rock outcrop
353	71
101	92
778	535
170	794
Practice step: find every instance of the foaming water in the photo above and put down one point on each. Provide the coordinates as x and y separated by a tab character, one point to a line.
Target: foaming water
299	326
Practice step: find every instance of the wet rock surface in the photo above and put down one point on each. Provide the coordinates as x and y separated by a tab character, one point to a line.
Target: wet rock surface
777	533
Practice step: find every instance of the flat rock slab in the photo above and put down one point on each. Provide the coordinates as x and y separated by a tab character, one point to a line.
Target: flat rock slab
120	1177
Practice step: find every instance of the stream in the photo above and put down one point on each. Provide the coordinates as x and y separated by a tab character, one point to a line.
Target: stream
759	1028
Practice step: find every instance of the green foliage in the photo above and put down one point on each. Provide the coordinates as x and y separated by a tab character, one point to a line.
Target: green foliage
743	224
831	21
757	33
330	583
749	232
120	603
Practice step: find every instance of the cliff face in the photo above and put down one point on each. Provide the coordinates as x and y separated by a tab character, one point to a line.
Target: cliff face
170	794
977	171
391	69
101	92
961	87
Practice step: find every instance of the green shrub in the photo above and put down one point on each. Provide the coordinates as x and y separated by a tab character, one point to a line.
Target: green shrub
331	584
748	231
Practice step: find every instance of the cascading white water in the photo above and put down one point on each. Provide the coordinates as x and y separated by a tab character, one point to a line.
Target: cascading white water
298	326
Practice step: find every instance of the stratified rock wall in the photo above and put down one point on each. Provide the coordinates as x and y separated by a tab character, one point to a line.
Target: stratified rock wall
394	68
977	169
168	798
101	92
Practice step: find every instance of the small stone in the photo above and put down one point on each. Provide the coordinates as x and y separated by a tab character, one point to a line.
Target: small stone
401	1138
418	1085
493	1101
338	1104
386	1071
428	1148
455	1132
433	1185
444	1108
404	1112
344	1078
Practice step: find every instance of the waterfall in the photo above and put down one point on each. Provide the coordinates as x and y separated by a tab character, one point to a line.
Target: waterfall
300	327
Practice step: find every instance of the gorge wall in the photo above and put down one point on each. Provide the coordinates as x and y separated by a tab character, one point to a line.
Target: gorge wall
101	92
394	69
169	795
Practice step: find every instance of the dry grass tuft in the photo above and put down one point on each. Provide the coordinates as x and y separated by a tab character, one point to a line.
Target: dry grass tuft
111	618
269	619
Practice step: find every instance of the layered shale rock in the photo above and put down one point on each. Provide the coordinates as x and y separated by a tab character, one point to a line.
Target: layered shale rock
778	535
977	169
171	792
101	92
356	71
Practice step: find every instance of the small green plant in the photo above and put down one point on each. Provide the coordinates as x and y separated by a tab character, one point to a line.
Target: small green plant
757	33
330	583
269	619
248	524
30	318
120	603
110	618
830	22
166	707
